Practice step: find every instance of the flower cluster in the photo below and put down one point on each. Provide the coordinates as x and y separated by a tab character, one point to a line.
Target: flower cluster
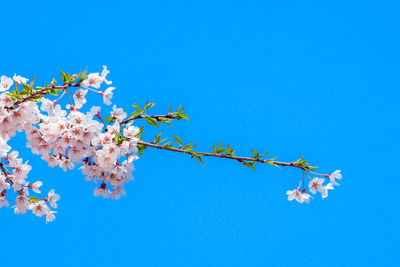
315	184
64	138
13	176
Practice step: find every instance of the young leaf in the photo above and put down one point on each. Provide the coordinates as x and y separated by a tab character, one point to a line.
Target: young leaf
151	121
178	140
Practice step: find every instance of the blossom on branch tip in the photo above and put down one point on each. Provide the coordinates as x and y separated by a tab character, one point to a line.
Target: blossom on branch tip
335	175
295	194
300	197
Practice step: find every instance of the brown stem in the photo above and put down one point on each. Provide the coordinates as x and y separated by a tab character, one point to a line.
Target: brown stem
44	91
3	170
157	117
207	154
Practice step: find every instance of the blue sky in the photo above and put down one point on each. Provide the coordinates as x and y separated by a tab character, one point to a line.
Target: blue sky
296	78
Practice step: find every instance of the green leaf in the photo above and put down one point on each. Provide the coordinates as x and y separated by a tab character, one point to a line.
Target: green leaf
53	91
250	165
27	88
198	157
166	121
108	119
63	77
230	151
34	199
152	121
149	105
255	153
183	116
140	131
220	145
83	76
67	77
33	81
178	140
189	146
119	138
141	148
135	113
170	142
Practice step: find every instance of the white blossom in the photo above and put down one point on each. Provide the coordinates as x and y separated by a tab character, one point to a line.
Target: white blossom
19	79
118	113
22	205
104	75
102	191
4	148
306	197
52	198
3	202
316	185
79	97
40	208
107	95
117	193
93	80
327	187
50	216
335	175
35	186
5	83
295	194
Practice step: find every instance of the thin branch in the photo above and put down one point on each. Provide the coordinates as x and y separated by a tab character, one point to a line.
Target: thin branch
45	90
207	154
157	117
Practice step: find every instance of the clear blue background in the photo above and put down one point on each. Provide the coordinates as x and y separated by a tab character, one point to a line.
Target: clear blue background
297	78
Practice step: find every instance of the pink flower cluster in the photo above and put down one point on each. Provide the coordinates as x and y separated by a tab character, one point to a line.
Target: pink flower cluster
65	138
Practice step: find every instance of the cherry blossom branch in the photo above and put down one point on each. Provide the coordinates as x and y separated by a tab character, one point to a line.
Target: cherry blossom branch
104	152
